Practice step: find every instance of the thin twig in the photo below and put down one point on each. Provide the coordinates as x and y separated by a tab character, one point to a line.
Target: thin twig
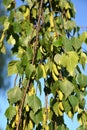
83	27
33	60
15	80
22	104
51	9
37	32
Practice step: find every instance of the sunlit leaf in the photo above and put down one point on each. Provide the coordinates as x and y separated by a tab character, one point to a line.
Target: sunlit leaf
83	59
72	59
3	49
69	25
11	40
12	67
83	37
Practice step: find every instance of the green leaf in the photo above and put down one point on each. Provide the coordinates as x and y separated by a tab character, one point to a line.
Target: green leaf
39	72
57	58
82	80
2	19
76	43
55	108
67	44
62	127
82	127
73	101
54	87
3	49
58	42
12	67
38	54
11	40
66	85
14	95
9	128
7	2
83	37
83	59
34	11
63	4
34	102
6	24
69	25
82	103
17	27
66	106
71	44
29	70
30	53
37	118
72	59
10	112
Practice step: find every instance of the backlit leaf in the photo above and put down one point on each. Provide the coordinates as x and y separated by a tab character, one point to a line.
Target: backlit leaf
11	40
69	25
72	59
83	37
12	67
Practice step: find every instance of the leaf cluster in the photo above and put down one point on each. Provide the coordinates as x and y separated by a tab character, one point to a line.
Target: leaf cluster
45	39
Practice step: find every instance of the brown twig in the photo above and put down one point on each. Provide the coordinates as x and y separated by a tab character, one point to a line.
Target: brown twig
33	60
22	104
51	9
15	80
37	32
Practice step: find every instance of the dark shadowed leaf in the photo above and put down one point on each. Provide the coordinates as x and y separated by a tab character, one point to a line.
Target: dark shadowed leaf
37	118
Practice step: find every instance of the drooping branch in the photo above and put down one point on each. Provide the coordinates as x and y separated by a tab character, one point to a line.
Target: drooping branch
37	32
33	60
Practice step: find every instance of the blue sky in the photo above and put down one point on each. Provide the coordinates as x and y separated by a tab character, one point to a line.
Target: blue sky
81	20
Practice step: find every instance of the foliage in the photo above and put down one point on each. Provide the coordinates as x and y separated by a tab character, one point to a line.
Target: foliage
46	41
